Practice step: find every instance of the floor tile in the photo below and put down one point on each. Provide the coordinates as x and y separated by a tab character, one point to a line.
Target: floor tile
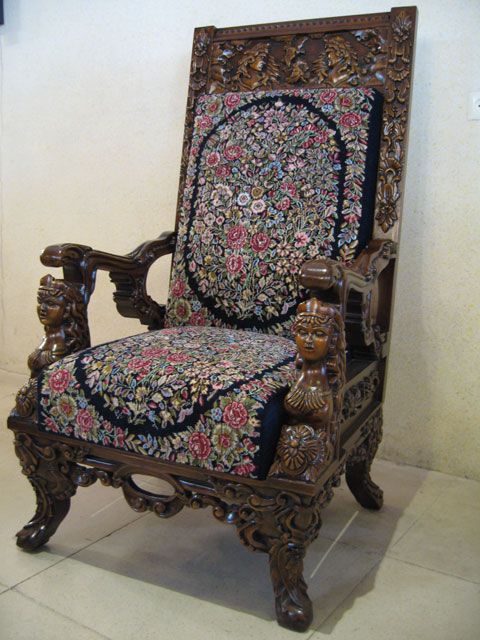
447	537
22	618
95	512
408	493
3	587
197	558
398	601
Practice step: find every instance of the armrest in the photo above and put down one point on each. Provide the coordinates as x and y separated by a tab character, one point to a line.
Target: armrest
129	273
326	275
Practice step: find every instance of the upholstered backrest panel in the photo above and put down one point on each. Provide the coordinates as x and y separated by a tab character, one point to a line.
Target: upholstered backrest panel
274	179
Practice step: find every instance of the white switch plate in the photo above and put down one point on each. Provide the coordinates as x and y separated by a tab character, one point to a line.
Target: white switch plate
474	106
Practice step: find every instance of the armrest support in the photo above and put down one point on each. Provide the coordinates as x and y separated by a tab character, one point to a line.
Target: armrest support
129	273
326	275
310	439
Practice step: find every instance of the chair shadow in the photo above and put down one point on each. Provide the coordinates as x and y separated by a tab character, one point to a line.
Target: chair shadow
192	555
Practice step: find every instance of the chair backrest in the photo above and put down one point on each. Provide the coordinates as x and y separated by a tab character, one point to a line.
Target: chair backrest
284	133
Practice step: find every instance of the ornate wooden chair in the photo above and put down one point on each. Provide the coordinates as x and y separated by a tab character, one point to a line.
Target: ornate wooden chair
289	203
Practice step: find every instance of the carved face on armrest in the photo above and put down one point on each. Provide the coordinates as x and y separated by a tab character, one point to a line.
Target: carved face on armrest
313	330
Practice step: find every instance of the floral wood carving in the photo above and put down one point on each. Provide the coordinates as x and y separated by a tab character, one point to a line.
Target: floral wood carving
314	402
62	311
357	397
202	42
395	118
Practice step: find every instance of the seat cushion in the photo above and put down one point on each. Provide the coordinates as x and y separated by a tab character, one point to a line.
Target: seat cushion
203	396
274	178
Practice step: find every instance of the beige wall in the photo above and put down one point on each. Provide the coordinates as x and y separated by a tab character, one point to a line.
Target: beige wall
93	96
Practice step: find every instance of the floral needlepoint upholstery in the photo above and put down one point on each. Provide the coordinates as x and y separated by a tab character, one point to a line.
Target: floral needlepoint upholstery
274	178
204	396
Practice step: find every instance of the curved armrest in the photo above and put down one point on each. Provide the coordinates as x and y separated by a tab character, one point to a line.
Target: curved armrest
129	273
326	275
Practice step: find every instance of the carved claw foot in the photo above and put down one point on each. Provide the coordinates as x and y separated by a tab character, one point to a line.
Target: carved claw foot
49	515
292	604
366	492
54	476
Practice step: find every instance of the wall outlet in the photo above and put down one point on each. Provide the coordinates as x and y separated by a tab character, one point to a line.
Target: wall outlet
474	106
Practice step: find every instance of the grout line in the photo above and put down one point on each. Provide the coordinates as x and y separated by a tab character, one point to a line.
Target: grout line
327	552
357	584
62	615
442	573
71	555
107	506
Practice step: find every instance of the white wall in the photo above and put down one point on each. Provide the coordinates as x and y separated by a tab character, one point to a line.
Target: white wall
93	98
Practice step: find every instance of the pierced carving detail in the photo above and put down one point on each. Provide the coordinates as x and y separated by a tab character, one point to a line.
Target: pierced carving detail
397	90
357	397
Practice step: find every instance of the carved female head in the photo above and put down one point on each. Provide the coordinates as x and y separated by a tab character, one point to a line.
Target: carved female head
314	329
52	301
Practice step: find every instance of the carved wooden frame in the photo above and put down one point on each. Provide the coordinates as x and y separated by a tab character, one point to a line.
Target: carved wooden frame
333	413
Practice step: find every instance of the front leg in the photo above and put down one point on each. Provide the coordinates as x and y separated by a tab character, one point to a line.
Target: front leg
292	603
51	471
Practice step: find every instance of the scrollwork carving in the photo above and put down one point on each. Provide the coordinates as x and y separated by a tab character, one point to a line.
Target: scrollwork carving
54	474
397	90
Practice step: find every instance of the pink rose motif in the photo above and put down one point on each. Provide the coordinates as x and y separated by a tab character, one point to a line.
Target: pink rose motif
263	267
85	420
119	439
233	151
244	469
235	415
234	264
139	364
59	380
328	96
223	171
199	445
52	425
213	159
177	358
301	239
350	120
321	137
284	204
260	242
231	100
205	122
154	352
197	319
346	102
236	237
289	187
178	288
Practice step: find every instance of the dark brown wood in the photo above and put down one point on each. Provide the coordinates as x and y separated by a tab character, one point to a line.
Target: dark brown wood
333	419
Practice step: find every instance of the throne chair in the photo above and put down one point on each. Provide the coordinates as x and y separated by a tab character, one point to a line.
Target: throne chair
261	380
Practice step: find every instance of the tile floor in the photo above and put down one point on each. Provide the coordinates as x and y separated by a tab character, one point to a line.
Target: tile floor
410	571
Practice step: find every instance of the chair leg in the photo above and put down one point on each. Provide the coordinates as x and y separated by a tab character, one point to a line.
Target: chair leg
292	604
357	472
50	474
